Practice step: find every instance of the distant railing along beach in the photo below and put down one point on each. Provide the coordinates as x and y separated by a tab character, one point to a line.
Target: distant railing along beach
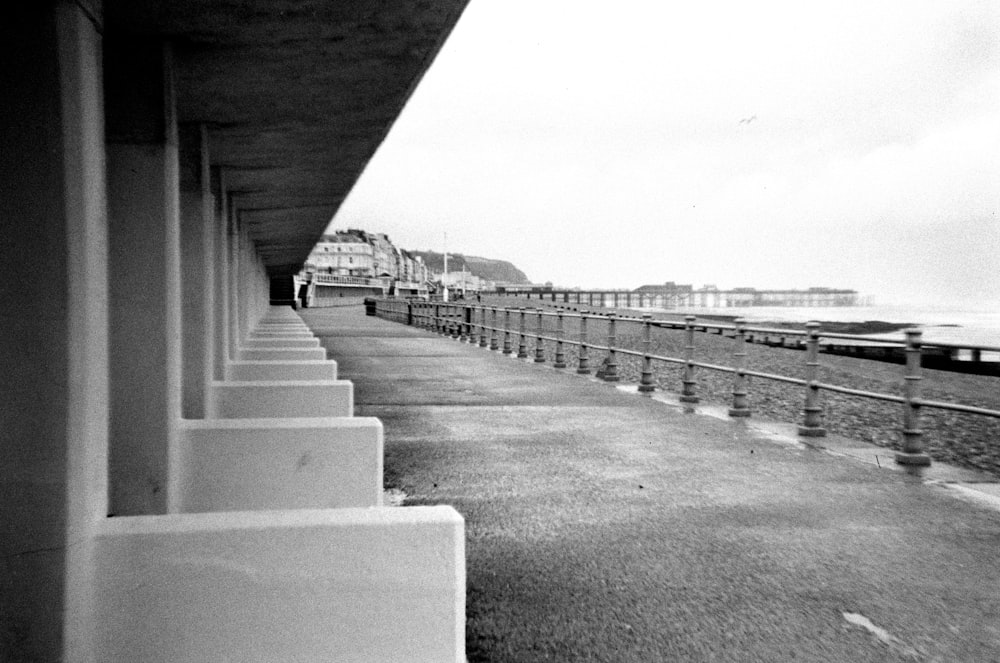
498	327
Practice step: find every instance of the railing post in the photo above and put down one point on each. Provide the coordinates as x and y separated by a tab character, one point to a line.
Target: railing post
467	333
540	344
506	331
611	363
812	420
456	325
690	385
409	313
740	406
522	346
482	327
583	365
436	323
646	381
494	337
560	354
913	447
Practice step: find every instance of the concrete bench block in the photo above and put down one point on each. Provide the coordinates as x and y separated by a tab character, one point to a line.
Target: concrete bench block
257	343
282	354
376	584
282	370
273	331
281	334
258	464
285	398
282	326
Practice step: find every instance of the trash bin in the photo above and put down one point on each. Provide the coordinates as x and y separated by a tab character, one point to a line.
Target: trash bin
369	306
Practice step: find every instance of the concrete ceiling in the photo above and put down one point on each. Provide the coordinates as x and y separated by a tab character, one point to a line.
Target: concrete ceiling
297	94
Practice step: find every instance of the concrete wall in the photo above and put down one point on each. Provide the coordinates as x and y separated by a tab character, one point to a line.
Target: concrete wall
314	585
53	340
282	370
179	481
288	398
231	465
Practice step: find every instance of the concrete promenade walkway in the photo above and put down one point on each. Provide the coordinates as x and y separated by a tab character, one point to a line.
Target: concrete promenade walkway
603	525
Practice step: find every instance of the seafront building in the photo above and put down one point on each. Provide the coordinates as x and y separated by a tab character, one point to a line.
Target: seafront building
463	281
359	253
356	263
183	475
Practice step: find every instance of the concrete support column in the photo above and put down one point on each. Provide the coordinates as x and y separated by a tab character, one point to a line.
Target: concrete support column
53	329
253	286
233	298
197	266
145	297
243	286
221	302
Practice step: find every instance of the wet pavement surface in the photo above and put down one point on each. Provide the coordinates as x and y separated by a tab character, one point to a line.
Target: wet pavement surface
605	525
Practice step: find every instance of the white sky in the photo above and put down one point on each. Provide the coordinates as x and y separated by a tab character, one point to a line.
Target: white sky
600	144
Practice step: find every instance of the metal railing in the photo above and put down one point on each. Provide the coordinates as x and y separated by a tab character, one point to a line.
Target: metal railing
480	324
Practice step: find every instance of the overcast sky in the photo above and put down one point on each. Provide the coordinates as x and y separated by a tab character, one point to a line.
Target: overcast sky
767	144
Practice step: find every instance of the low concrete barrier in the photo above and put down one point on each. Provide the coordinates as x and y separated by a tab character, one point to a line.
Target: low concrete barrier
286	398
281	370
258	464
258	343
375	584
282	327
280	334
282	354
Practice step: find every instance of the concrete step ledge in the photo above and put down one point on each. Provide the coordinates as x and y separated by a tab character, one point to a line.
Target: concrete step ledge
238	371
282	354
285	398
280	334
260	464
376	584
281	325
258	343
298	331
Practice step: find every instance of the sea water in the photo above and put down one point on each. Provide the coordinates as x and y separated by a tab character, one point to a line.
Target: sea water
963	326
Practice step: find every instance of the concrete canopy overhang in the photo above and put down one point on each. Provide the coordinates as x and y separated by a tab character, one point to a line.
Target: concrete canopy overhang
297	95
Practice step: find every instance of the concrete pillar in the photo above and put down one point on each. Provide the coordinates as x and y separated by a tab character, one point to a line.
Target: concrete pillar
53	329
220	304
197	267
233	244
145	298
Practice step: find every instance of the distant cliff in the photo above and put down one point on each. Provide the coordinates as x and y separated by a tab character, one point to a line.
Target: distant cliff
500	271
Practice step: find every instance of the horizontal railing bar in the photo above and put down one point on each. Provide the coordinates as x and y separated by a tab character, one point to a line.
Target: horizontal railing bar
859	392
776	378
956	407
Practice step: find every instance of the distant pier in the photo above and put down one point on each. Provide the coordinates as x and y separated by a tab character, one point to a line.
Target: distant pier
672	296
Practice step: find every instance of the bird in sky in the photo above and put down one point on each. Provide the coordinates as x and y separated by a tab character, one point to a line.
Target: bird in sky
748	120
